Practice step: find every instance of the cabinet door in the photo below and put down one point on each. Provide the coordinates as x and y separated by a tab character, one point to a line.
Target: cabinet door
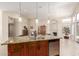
42	30
21	49
10	49
26	49
32	49
42	49
16	49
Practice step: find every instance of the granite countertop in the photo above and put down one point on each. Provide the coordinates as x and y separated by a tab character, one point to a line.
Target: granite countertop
27	39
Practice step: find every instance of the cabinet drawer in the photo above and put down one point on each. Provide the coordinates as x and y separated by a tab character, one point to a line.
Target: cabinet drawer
43	43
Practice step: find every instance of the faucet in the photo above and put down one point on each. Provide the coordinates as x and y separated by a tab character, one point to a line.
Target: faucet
35	35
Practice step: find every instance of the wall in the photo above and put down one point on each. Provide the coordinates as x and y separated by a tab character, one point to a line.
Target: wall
4	29
50	27
3	34
59	27
18	25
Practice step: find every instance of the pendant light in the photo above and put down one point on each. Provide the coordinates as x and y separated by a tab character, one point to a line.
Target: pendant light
20	19
48	14
36	13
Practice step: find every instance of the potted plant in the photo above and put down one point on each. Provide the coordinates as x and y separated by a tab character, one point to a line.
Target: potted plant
66	32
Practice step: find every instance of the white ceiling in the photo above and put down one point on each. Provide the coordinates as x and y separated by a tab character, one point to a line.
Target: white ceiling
56	9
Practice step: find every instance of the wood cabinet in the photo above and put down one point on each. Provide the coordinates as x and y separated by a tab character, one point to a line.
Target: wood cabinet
42	30
36	48
39	48
44	49
32	48
15	49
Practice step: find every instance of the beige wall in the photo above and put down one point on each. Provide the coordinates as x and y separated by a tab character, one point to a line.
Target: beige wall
4	29
50	27
3	33
18	25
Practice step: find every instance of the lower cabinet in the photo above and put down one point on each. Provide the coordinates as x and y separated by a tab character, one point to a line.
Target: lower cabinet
38	48
54	47
43	49
15	49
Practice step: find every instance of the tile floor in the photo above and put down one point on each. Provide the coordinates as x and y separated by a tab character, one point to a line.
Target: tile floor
69	47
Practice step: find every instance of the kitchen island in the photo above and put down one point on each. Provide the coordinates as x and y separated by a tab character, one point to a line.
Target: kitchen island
24	46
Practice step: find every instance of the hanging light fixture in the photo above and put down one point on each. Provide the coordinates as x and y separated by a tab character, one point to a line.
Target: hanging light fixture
36	20
20	19
48	14
48	21
36	13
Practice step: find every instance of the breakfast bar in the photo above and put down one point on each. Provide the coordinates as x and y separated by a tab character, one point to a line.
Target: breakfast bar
24	46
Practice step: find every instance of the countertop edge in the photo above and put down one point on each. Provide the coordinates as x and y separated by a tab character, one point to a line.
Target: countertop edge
6	43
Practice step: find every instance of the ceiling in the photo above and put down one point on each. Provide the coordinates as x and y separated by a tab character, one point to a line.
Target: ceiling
28	9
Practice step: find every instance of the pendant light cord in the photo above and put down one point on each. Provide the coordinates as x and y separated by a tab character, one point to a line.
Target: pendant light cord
19	8
48	10
36	10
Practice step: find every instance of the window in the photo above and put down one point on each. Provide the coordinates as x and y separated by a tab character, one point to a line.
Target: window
77	28
68	20
66	25
78	17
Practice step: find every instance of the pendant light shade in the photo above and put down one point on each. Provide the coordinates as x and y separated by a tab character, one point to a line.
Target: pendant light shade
20	19
48	21
36	21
